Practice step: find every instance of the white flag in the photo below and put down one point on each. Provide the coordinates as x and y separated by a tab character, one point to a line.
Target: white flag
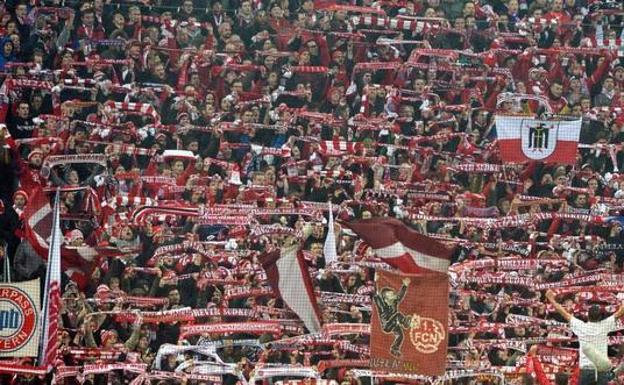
52	297
329	249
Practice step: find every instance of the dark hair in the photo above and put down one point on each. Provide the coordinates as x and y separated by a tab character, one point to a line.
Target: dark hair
527	379
561	379
594	314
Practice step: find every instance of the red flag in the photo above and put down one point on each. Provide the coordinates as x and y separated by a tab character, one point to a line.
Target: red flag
522	139
409	323
77	262
286	271
38	222
402	247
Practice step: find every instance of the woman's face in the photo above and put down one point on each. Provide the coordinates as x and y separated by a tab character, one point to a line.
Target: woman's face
8	48
114	283
556	43
269	61
178	166
304	59
126	234
277	12
143	343
73	178
272	79
19	201
119	20
592	184
225	105
11	28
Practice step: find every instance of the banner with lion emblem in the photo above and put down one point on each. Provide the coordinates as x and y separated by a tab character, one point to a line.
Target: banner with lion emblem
409	323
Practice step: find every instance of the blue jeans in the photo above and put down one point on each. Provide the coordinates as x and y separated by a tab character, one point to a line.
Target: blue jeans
588	377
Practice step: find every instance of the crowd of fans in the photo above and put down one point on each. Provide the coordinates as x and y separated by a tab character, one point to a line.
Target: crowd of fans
188	136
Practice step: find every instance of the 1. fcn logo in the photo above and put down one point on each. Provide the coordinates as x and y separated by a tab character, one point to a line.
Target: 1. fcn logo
426	334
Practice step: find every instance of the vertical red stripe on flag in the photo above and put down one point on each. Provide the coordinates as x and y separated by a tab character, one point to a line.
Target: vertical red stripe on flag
286	272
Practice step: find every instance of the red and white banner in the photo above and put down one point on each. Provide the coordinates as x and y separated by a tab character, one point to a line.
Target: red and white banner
402	247
19	319
339	147
522	139
288	275
76	261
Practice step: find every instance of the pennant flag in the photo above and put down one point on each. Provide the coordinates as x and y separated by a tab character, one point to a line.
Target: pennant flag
286	271
38	222
52	296
402	247
409	324
522	139
329	248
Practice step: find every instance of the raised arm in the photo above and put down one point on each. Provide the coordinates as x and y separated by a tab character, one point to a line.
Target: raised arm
619	313
550	296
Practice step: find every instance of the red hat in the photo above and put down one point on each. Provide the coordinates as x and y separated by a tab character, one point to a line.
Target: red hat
106	335
22	193
34	152
74	234
102	291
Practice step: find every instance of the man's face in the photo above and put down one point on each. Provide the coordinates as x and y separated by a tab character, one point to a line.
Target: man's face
313	48
556	90
21	10
23	110
159	71
390	296
246	8
557	5
238	87
174	297
247	117
135	15
608	84
88	19
225	31
36	160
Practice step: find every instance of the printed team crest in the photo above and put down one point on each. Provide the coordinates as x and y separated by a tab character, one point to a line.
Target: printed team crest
426	334
539	138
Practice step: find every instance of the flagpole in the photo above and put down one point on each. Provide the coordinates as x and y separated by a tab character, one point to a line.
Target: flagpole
7	266
51	274
329	248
